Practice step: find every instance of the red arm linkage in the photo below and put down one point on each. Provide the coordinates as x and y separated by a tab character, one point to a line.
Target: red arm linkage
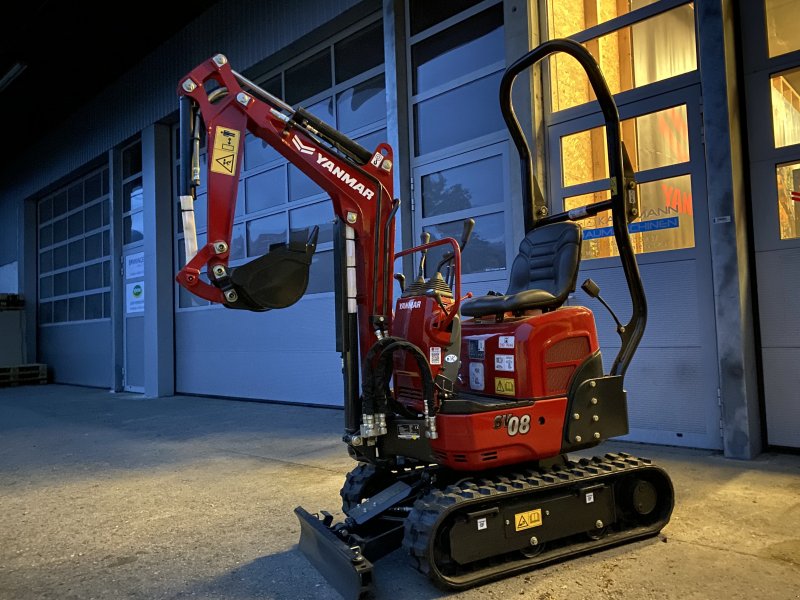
361	195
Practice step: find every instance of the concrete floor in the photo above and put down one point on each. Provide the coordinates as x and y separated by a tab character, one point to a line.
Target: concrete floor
112	496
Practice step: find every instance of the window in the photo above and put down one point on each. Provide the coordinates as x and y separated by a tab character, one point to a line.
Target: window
782	26
460	155
657	143
74	252
132	195
788	179
785	92
343	85
648	51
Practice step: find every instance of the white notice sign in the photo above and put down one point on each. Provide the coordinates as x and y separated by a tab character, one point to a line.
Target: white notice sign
134	265
134	297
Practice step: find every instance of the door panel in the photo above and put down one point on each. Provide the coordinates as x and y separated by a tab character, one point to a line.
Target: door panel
673	380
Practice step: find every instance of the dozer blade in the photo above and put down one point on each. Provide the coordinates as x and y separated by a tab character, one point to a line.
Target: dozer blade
345	568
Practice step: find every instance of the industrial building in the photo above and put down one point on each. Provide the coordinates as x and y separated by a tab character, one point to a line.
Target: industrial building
709	94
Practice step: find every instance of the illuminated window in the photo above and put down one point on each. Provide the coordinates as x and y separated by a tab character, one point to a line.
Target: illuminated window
653	140
788	176
666	219
785	91
567	17
782	26
651	50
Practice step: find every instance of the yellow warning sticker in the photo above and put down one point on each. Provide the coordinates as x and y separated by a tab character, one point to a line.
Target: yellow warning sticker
526	520
226	151
505	386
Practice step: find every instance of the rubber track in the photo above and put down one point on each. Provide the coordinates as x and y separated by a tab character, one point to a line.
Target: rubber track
432	510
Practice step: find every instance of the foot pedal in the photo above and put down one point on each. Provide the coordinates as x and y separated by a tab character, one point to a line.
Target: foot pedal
343	566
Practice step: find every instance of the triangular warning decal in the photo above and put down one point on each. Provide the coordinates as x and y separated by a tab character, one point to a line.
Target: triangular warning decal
522	523
226	162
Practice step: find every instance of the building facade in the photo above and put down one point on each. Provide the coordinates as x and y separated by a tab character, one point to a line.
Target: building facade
709	95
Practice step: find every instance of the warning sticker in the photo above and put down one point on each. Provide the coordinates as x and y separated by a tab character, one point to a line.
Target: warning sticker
504	362
435	355
526	520
226	151
505	386
476	376
506	341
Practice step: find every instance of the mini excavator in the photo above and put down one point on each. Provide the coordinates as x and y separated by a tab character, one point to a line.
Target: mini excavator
460	411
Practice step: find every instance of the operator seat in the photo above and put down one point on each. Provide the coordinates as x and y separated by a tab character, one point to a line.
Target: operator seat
542	276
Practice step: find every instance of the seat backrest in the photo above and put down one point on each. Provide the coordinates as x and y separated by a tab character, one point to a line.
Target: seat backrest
548	260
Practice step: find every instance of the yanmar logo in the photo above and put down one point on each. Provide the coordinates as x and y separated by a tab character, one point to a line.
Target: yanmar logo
409	304
344	176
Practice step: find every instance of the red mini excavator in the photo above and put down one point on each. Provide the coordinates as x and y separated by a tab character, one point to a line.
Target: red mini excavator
467	406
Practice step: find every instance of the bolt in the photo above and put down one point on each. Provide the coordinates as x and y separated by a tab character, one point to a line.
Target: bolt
243	98
219	271
595	418
508	522
598	524
220	247
534	541
386	165
578	439
190	278
231	296
576	416
594	400
622	329
352	217
189	85
592	383
547	513
220	60
597	435
356	440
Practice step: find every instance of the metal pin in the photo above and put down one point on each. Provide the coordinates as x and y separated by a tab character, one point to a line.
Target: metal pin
594	400
595	418
220	247
243	98
534	541
598	524
597	435
592	383
219	271
231	296
386	165
189	85
352	217
578	439
576	416
220	60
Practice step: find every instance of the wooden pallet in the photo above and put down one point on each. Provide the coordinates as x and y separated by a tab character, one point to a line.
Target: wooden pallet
23	374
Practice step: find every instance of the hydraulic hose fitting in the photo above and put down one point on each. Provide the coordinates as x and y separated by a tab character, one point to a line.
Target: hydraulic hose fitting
380	424
430	425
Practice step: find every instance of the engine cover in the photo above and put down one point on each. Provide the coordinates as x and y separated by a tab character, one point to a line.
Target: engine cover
526	358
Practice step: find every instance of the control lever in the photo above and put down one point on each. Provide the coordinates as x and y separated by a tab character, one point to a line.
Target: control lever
593	290
424	238
466	233
401	279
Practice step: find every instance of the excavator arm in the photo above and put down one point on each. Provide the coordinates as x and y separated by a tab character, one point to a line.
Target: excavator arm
358	182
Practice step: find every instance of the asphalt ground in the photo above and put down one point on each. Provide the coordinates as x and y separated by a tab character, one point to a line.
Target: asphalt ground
113	496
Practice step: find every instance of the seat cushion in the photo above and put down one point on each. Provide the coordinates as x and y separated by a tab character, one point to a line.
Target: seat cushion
542	275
